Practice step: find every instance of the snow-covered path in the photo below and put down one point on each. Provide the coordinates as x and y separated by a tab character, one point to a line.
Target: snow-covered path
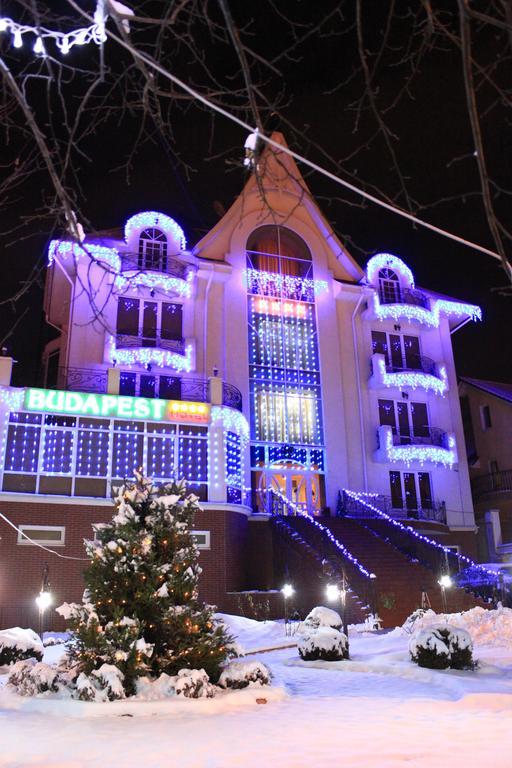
376	711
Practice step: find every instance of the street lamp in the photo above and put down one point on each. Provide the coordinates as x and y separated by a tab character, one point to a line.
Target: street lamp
333	594
287	591
445	582
43	601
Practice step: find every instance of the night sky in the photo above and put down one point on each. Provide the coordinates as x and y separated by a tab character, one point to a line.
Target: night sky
431	139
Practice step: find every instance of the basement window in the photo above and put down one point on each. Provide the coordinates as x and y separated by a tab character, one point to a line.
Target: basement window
201	539
49	535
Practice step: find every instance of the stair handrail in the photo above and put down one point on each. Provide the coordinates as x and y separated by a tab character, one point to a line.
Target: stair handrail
358	497
296	510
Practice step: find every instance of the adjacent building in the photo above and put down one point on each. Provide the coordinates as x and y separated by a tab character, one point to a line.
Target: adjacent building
487	415
262	362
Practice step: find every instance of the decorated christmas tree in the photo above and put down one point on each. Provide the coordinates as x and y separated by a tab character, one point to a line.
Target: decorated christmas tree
140	613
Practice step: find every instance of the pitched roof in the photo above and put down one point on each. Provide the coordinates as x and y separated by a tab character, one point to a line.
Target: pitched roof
496	388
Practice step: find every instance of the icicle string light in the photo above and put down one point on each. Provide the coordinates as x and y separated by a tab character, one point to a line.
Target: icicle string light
388	261
413	379
361	498
299	511
64	41
407	454
148	356
150	219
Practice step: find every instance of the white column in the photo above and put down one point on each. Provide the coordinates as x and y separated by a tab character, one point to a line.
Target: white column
493	531
5	371
113	381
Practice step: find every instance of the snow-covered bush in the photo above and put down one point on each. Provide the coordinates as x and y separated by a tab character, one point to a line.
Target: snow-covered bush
409	625
240	674
325	643
31	677
441	647
110	679
193	684
17	644
321	617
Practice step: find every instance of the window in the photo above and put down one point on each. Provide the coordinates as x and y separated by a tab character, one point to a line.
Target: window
49	535
153	250
493	467
389	286
408	421
485	416
410	490
401	352
201	539
70	456
278	250
146	385
153	323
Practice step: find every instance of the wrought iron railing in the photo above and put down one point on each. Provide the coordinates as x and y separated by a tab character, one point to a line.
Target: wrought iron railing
195	389
496	482
404	296
430	554
428	436
413	363
231	396
427	510
81	380
127	341
171	266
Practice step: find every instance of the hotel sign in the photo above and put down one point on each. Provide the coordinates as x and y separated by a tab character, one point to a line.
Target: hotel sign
114	406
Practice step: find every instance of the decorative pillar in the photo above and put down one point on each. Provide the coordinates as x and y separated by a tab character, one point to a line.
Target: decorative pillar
5	371
493	532
113	381
216	463
215	385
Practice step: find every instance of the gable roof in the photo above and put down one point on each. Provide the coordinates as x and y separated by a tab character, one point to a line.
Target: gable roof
277	191
496	388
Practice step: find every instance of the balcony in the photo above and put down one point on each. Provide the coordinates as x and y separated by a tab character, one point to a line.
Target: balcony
495	483
432	446
131	262
195	389
127	341
434	511
419	372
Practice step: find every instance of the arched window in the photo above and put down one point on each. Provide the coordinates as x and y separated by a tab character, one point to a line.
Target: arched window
153	250
277	249
389	286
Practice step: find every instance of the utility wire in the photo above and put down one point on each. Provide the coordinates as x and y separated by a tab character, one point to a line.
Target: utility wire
286	150
37	544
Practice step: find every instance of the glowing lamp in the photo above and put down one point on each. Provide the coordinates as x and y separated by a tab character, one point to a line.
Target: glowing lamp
287	591
332	592
44	600
445	581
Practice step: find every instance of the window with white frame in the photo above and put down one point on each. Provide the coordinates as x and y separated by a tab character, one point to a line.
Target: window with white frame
153	250
402	352
389	286
201	539
49	535
149	323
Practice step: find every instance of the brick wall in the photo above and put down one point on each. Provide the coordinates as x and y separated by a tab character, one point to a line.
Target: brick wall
21	566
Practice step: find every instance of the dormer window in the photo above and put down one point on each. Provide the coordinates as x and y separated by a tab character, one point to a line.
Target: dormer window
389	286
153	250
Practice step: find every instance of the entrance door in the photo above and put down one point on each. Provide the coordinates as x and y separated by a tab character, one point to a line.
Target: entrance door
302	488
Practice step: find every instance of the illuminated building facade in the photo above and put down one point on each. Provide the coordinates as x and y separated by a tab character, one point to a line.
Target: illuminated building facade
264	359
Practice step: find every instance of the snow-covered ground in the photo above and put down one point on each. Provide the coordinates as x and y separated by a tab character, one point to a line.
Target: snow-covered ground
375	711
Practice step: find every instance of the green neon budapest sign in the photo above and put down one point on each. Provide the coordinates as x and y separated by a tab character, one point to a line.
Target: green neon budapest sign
114	406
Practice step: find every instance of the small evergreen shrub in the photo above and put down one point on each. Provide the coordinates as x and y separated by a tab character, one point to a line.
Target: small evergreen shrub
322	617
17	644
240	674
31	677
324	644
442	647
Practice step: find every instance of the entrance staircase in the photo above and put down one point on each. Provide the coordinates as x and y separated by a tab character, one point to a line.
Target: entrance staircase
388	569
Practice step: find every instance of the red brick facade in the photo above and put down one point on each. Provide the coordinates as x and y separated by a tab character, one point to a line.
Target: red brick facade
22	565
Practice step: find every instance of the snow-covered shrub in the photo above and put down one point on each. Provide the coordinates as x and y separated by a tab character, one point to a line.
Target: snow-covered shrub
110	679
193	684
322	617
31	677
409	625
240	674
17	644
441	647
326	644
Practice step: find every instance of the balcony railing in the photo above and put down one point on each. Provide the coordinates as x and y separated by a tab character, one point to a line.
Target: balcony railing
127	341
497	482
167	264
434	511
196	389
418	363
404	296
428	436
